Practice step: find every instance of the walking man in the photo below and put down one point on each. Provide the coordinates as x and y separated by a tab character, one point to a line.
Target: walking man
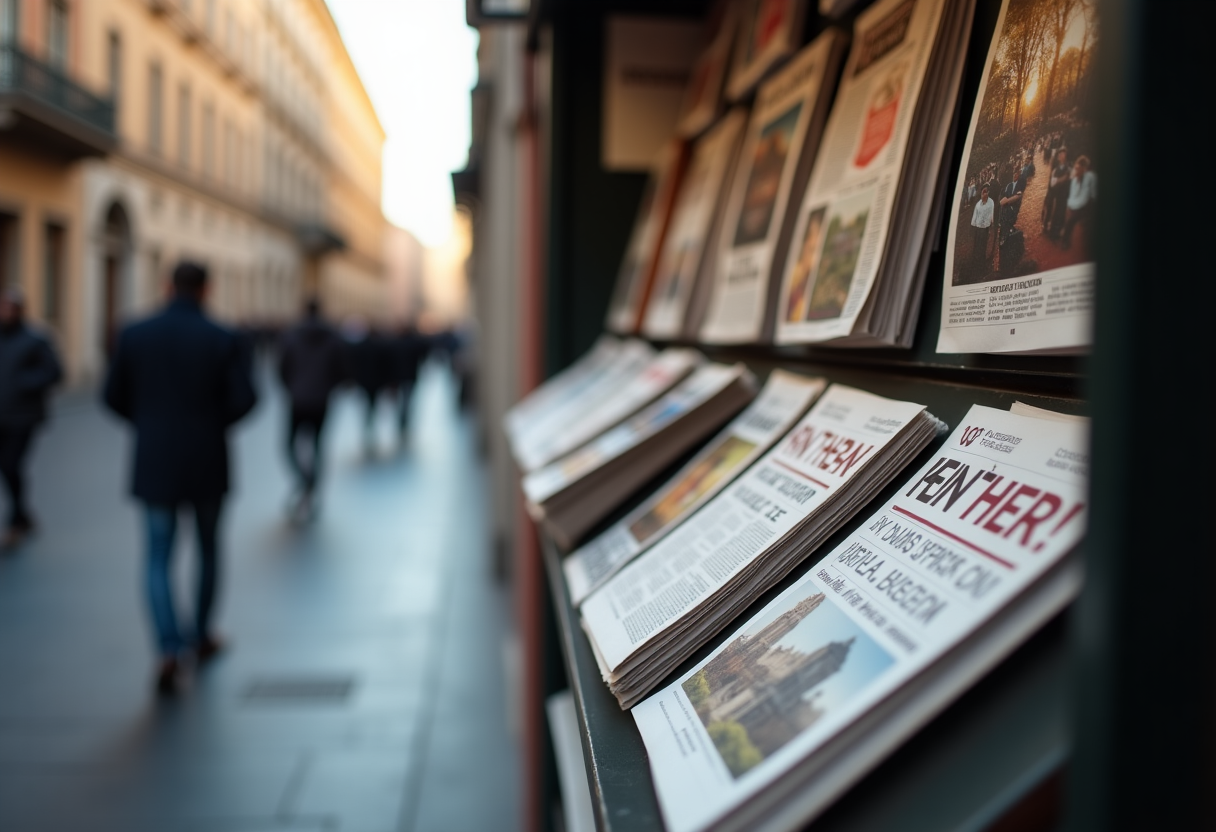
311	362
29	368
181	380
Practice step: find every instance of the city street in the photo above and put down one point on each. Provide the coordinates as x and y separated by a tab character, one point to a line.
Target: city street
367	686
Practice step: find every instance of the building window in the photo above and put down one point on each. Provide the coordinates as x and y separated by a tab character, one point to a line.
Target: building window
208	141
54	243
229	155
155	109
183	125
57	34
114	66
10	260
8	21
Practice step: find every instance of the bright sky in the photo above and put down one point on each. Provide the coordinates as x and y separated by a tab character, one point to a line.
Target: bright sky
418	60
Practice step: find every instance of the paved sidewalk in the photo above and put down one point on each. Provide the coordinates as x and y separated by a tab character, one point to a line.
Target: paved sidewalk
365	690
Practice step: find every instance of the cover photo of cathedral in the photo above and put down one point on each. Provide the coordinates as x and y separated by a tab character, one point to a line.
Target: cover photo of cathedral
780	677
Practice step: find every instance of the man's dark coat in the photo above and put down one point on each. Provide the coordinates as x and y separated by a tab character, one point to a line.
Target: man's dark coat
29	368
182	381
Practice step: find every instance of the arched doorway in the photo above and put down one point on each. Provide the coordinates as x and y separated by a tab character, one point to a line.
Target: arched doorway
115	267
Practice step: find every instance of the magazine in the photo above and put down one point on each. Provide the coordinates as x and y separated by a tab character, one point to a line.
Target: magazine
703	95
782	402
935	588
854	271
637	267
683	264
660	608
770	32
1019	256
781	142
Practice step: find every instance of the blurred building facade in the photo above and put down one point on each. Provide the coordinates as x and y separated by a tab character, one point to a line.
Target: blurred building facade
134	133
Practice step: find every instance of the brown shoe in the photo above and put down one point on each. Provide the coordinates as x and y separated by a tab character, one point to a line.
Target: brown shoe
208	648
168	676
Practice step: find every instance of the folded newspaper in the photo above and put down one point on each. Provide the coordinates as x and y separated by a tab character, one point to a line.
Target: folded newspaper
856	266
781	403
659	609
631	383
967	560
569	496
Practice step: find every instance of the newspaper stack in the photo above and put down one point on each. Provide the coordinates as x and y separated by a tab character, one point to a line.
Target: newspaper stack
566	386
856	265
925	597
784	399
659	609
630	380
574	493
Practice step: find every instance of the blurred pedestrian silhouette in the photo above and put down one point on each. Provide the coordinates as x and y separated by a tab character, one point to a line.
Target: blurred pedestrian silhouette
181	380
29	368
311	365
369	366
409	350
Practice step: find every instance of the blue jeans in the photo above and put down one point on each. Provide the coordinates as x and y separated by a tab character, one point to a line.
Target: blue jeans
161	529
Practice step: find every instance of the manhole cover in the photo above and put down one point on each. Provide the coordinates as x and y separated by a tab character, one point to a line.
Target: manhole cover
327	689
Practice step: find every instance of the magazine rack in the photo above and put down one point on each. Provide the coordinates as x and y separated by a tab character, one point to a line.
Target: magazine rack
1084	695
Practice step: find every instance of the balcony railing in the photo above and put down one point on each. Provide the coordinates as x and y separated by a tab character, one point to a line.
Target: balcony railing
43	94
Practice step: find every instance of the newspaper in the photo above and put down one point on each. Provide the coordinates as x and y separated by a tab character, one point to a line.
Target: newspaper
776	154
845	220
1019	257
704	383
783	400
683	256
637	267
843	435
533	423
994	511
618	396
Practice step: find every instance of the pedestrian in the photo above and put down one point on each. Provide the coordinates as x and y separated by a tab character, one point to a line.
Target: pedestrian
182	381
29	368
311	366
981	221
369	367
1011	200
409	352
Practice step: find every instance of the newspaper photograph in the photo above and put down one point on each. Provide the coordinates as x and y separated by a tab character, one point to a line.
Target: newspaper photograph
704	383
784	398
759	194
845	216
1000	504
683	256
1019	261
818	457
611	401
